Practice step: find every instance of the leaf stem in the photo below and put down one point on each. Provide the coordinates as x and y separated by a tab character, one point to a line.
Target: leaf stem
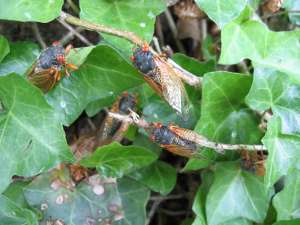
186	76
194	137
101	28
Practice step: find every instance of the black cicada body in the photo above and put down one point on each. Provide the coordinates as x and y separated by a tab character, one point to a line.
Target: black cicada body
162	77
170	140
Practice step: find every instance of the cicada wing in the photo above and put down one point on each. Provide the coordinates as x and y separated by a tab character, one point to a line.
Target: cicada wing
172	87
184	133
31	70
180	150
153	84
43	79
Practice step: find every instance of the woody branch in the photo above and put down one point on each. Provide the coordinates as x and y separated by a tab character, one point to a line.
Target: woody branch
186	76
195	137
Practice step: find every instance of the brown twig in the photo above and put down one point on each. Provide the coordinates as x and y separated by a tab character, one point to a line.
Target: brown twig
173	29
77	34
38	35
101	28
280	13
194	137
70	35
152	212
73	6
130	36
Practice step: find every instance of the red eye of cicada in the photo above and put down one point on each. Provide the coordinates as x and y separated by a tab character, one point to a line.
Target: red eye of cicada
132	58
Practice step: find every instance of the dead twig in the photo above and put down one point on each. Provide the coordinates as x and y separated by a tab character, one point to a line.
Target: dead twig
38	35
69	36
73	6
130	36
193	136
77	34
173	29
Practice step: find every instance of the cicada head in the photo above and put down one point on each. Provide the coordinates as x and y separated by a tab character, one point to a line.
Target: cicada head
161	134
53	56
143	59
127	102
171	141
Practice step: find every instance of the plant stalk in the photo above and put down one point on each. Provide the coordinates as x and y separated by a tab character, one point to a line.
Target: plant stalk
195	137
186	76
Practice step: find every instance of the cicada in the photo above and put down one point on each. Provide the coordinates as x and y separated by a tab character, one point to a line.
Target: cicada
172	139
110	130
253	162
161	76
47	69
113	129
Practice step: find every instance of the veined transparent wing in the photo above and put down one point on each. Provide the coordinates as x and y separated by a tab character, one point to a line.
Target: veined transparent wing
172	87
43	79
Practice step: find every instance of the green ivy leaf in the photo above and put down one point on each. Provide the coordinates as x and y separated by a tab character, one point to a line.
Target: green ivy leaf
29	10
239	221
89	202
4	47
200	198
290	222
292	7
115	160
222	11
143	140
95	106
224	116
12	214
134	199
104	73
130	15
15	193
277	50
236	194
194	66
157	110
20	58
283	152
31	138
287	201
271	89
208	157
159	177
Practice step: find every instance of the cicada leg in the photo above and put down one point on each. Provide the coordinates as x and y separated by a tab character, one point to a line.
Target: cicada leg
69	66
57	75
68	49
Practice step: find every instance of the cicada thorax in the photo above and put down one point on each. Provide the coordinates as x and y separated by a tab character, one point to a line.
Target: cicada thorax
253	162
113	129
171	141
51	57
48	68
161	77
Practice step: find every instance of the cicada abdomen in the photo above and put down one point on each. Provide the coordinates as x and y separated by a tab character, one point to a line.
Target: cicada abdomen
47	70
161	76
113	129
166	138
